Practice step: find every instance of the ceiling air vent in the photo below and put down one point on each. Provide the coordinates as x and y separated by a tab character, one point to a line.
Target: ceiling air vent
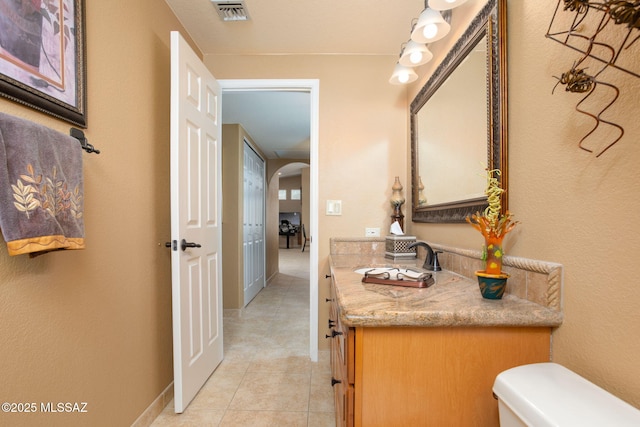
231	10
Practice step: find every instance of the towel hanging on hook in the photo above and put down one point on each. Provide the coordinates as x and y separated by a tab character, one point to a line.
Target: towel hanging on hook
79	135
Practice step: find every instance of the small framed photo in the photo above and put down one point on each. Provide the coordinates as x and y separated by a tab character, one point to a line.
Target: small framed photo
42	56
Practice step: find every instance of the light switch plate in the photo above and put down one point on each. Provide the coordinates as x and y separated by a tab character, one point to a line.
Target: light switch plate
334	207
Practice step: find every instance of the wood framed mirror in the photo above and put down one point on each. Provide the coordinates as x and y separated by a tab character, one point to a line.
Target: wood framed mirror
459	123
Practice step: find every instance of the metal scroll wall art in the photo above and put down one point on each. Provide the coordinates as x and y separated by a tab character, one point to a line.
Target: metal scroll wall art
607	31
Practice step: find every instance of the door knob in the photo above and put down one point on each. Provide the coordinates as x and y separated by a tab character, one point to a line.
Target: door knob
334	334
184	245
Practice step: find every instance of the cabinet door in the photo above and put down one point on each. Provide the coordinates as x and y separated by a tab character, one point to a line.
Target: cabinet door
438	376
344	390
338	387
340	337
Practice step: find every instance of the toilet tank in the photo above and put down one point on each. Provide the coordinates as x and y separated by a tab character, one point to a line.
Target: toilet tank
550	395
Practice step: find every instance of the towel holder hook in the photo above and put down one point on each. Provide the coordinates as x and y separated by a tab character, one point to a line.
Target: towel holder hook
84	143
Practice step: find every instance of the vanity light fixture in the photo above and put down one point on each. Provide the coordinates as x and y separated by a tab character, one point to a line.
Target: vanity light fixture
431	27
415	54
402	75
445	4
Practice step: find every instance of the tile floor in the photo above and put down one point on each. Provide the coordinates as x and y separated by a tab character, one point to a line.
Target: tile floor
266	377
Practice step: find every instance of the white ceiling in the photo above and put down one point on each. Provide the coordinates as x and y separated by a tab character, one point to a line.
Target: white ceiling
366	27
279	121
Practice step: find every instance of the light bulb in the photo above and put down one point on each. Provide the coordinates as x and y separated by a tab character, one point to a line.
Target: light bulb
402	74
430	31
415	57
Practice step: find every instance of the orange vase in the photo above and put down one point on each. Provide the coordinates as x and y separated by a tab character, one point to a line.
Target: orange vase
493	246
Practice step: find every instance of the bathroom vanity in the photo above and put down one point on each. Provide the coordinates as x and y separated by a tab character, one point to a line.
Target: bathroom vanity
425	356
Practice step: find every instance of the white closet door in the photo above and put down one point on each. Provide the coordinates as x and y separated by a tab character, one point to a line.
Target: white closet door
253	224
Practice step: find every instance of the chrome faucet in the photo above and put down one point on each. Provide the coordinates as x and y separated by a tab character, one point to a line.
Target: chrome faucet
431	261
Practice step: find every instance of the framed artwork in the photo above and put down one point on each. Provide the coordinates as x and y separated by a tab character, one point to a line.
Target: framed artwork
42	56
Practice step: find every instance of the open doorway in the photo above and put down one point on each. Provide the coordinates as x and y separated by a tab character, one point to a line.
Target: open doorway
311	89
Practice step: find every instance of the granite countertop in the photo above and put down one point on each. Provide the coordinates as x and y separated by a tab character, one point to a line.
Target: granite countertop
453	300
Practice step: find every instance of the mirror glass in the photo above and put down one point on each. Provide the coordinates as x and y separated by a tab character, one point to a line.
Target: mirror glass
458	124
448	127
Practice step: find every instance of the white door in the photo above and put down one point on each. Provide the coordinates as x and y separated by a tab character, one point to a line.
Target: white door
196	234
253	244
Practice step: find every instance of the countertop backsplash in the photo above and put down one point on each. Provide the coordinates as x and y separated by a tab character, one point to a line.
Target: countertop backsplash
537	281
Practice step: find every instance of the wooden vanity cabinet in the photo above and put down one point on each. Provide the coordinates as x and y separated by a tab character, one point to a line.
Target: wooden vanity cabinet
425	376
342	367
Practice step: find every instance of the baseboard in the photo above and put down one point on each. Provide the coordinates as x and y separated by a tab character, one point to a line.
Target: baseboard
273	276
151	413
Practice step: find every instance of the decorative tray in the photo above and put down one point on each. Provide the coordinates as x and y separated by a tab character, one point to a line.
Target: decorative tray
423	281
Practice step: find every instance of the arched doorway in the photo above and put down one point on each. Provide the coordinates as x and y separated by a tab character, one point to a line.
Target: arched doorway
293	208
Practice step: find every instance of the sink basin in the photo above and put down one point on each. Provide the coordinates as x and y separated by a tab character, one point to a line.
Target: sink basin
393	273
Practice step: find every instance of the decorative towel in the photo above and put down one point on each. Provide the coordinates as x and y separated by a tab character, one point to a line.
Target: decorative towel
41	188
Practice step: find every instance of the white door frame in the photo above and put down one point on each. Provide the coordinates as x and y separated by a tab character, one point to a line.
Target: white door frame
313	87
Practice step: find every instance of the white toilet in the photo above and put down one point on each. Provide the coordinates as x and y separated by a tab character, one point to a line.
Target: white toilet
550	395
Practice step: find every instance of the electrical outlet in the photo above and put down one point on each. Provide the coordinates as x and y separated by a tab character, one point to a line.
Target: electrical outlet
372	232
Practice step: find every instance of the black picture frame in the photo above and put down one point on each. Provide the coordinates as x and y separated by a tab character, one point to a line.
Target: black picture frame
42	56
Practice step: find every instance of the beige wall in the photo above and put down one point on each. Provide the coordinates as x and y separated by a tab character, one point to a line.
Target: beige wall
574	209
289	183
232	215
271	232
95	325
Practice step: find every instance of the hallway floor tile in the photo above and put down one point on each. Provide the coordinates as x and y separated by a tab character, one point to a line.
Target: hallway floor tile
266	377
